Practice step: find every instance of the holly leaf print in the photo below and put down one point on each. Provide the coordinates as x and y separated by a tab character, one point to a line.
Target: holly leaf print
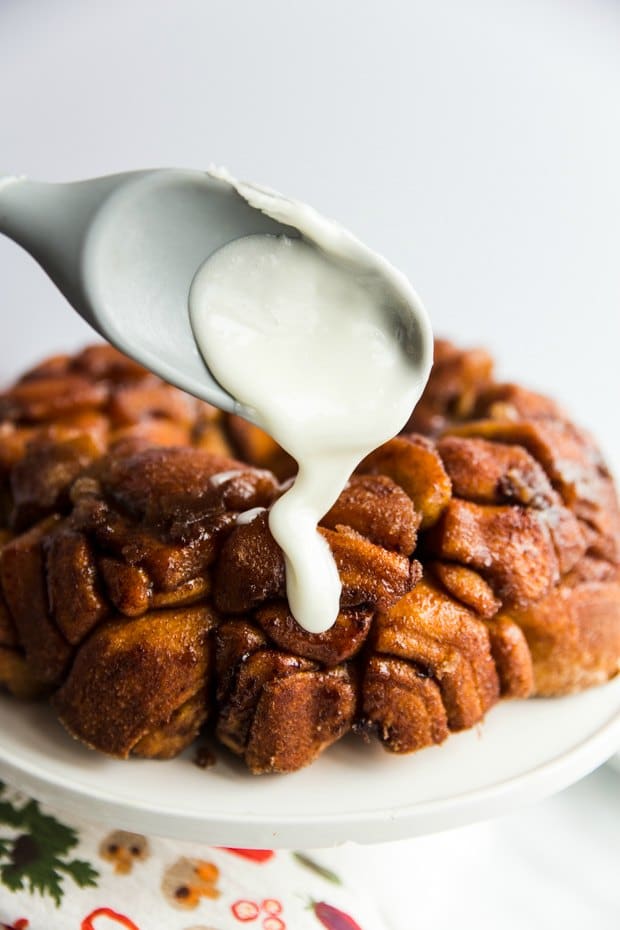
317	868
81	872
39	876
50	833
37	858
9	814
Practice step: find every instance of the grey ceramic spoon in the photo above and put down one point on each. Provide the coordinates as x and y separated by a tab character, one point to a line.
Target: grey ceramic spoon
124	249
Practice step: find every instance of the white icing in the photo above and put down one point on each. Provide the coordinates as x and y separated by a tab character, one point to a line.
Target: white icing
249	515
328	347
223	476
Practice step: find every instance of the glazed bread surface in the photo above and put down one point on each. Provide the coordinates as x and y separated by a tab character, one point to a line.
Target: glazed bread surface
479	554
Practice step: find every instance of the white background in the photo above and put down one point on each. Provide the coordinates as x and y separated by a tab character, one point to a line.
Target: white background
476	144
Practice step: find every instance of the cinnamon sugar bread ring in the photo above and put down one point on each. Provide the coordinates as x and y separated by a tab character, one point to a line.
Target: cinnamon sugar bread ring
479	553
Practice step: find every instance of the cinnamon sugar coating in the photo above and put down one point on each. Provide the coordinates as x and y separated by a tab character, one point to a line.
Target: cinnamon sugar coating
479	554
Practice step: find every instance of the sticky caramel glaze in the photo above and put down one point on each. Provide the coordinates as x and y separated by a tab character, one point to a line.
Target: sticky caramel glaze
476	565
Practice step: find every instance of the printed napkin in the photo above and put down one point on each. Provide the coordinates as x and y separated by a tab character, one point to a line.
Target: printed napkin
58	874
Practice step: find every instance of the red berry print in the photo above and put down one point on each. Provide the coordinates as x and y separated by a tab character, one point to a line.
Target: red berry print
271	906
20	924
254	855
273	923
245	911
120	919
332	918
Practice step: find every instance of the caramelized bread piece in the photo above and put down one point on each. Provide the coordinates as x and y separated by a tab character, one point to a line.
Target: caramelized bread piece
171	738
494	473
297	718
456	381
413	463
573	635
280	712
40	399
509	546
8	633
446	642
486	472
128	587
103	362
74	596
196	589
512	658
17	677
250	569
513	402
167	565
239	704
590	568
378	509
401	706
574	467
468	587
151	398
209	431
22	575
369	574
13	443
258	448
40	481
171	488
131	677
77	407
342	641
155	432
235	641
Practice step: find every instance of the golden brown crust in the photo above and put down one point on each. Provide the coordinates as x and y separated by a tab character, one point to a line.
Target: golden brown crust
413	463
341	642
297	718
369	574
377	508
512	658
22	573
402	706
171	738
446	642
479	559
255	446
509	546
144	671
8	633
250	569
468	587
74	596
574	467
457	379
278	711
573	636
17	676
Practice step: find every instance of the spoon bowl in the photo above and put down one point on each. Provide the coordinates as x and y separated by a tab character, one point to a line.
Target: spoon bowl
124	250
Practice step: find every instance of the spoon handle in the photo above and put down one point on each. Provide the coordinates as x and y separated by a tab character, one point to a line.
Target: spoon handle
10	185
50	221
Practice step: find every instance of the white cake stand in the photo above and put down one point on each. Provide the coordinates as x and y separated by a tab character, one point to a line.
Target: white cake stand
524	751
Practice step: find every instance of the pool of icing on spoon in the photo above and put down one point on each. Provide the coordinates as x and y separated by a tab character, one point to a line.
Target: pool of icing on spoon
310	335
